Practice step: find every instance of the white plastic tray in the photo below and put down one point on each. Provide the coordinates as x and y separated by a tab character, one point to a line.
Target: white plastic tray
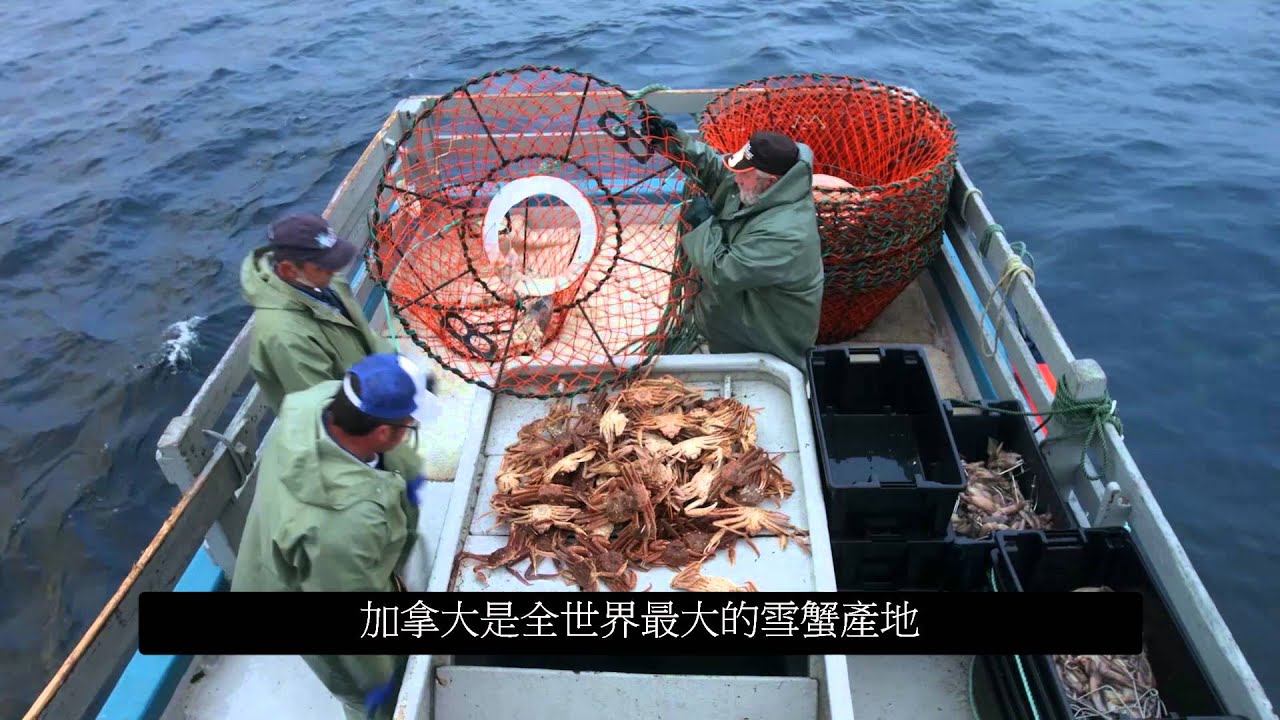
783	423
783	426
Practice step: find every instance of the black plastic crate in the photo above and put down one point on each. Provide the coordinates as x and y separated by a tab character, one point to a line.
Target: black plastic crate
1063	560
1007	689
889	464
911	565
972	427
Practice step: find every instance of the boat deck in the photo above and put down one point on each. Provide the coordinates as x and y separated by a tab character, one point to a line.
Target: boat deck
283	688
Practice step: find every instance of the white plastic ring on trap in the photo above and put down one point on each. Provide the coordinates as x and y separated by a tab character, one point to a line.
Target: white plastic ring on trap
522	189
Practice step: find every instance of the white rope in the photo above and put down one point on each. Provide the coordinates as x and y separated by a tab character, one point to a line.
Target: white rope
1012	269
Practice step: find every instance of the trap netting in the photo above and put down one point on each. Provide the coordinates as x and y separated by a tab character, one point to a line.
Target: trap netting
884	159
526	236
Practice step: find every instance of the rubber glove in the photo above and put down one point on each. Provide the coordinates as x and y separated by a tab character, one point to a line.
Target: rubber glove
413	486
379	697
658	128
698	211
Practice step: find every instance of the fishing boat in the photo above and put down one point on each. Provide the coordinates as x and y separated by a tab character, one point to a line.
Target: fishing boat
209	452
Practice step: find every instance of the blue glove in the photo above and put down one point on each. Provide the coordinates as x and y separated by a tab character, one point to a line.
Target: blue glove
698	211
378	697
412	487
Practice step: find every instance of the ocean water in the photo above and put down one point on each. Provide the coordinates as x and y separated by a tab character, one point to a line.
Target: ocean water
144	145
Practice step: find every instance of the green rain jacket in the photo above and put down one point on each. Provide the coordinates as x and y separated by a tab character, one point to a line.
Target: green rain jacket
761	264
299	341
323	520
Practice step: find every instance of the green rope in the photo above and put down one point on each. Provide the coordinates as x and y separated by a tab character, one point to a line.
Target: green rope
987	234
639	95
973	706
1089	418
1078	418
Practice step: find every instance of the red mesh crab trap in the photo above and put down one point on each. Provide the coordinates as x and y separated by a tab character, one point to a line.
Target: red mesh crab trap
526	236
884	159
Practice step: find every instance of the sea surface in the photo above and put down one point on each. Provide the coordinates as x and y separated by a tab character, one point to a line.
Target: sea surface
1133	146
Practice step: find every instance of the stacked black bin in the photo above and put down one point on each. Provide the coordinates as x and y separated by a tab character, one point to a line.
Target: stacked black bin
891	458
890	471
890	466
891	475
1006	423
1063	560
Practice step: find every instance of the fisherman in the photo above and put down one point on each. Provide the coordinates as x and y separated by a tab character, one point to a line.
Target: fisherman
335	511
307	327
754	241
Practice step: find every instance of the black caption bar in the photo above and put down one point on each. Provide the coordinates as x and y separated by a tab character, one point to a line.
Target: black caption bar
556	623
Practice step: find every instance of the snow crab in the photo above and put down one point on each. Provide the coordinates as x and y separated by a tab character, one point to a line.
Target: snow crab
751	521
691	578
653	474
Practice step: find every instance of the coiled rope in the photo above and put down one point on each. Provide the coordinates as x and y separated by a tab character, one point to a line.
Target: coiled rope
1085	419
1021	263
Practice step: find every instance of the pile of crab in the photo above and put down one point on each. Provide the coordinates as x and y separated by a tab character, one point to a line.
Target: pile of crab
1110	686
652	475
993	498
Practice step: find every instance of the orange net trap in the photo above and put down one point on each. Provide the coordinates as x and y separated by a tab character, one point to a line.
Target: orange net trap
527	238
884	159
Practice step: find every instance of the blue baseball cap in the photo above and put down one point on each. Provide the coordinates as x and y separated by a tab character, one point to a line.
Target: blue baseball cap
392	387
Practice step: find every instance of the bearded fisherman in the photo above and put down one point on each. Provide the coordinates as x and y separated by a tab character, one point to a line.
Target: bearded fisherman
754	241
334	510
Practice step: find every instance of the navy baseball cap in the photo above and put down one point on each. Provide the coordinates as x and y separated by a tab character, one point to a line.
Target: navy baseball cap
392	387
766	151
309	238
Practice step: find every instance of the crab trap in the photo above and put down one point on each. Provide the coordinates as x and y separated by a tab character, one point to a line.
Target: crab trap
524	225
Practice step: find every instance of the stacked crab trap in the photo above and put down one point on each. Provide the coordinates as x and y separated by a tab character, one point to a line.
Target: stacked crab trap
884	160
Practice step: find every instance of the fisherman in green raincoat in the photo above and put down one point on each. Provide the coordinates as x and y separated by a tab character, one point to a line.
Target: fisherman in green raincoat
335	511
307	326
754	242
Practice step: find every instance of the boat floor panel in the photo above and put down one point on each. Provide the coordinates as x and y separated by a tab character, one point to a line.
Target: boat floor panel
467	693
909	320
252	687
920	687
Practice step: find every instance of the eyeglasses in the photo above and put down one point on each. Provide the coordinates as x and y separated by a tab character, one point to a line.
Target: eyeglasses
413	427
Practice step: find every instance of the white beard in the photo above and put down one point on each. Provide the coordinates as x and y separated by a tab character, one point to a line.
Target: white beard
749	198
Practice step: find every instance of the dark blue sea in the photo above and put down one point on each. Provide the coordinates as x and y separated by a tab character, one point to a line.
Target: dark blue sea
1133	146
